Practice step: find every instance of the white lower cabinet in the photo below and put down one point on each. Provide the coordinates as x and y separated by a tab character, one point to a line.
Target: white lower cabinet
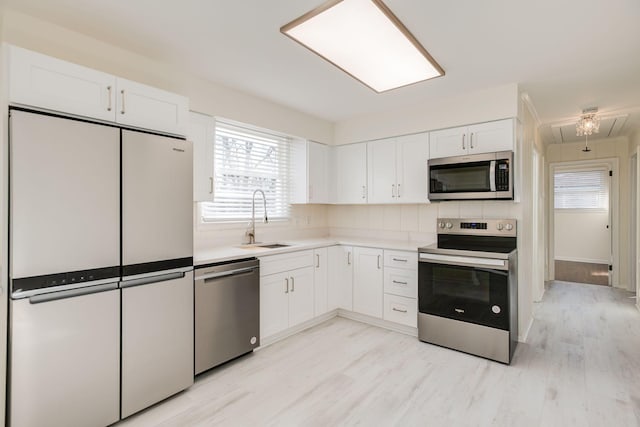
340	278
301	304
401	310
320	280
368	281
287	292
401	287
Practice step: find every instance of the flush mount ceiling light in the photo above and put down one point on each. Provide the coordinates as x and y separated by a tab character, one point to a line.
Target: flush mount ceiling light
588	124
367	41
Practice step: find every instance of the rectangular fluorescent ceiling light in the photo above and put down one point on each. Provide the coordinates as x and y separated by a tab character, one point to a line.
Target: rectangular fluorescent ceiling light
367	41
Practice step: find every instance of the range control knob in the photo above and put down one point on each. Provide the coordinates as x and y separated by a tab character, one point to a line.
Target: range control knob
509	227
441	224
499	226
496	309
449	225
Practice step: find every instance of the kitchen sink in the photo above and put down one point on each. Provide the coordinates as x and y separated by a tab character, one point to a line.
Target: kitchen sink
273	245
264	246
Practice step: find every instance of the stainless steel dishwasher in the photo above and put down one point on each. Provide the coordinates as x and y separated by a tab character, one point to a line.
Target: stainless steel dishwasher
227	309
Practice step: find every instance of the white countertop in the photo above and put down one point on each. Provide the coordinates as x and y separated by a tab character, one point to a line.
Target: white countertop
230	253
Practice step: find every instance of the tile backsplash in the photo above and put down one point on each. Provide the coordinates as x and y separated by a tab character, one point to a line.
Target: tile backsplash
410	222
414	223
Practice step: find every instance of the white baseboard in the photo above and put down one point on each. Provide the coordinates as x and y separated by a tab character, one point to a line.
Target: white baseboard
396	327
523	338
403	329
264	342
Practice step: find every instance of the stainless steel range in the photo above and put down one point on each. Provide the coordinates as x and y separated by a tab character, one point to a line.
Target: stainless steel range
468	288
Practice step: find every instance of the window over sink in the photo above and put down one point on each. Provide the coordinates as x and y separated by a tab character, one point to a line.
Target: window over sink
247	159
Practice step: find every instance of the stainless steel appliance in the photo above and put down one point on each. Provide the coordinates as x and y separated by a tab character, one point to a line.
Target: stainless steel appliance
157	264
468	289
474	177
64	268
227	311
95	208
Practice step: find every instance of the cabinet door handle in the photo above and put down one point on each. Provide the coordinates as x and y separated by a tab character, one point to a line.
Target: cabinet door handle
400	259
471	141
398	310
378	262
463	136
364	191
293	285
286	285
122	95
317	260
109	95
210	185
348	258
398	191
400	283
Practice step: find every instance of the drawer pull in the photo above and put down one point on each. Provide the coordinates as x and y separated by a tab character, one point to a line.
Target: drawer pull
400	283
286	285
400	259
398	310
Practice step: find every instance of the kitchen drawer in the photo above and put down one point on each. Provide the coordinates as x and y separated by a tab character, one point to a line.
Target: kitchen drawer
401	282
401	310
284	262
401	259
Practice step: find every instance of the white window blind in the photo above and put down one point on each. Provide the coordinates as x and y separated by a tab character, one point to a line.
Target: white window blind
246	160
587	189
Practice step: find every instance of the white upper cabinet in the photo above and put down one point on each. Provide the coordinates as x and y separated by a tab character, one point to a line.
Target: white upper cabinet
42	81
310	172
201	133
350	173
397	169
491	136
474	139
412	156
382	165
151	108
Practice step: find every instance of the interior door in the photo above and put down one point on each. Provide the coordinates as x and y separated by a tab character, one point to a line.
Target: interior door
65	195
157	207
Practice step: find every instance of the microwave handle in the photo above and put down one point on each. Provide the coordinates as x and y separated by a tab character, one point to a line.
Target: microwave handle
492	175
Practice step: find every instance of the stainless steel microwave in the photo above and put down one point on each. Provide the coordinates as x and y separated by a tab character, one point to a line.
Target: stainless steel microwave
486	176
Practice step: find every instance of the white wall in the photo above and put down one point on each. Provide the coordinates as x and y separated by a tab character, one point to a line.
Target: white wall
607	148
582	236
490	104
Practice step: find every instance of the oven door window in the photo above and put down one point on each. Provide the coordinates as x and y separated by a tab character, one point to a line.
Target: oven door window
460	178
474	295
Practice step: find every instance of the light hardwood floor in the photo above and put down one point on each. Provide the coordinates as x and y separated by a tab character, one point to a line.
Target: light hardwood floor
581	367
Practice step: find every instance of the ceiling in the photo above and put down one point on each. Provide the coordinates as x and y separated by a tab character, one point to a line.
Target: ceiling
568	55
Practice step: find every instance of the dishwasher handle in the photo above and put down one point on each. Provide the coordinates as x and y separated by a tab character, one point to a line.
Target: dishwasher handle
54	296
226	273
151	279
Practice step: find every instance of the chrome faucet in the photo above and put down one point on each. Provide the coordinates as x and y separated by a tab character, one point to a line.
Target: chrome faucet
251	231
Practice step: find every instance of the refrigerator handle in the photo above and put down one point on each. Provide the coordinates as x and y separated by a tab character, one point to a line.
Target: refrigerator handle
152	279
54	296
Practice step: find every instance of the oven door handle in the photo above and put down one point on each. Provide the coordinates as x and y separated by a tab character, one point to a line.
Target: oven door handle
475	262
